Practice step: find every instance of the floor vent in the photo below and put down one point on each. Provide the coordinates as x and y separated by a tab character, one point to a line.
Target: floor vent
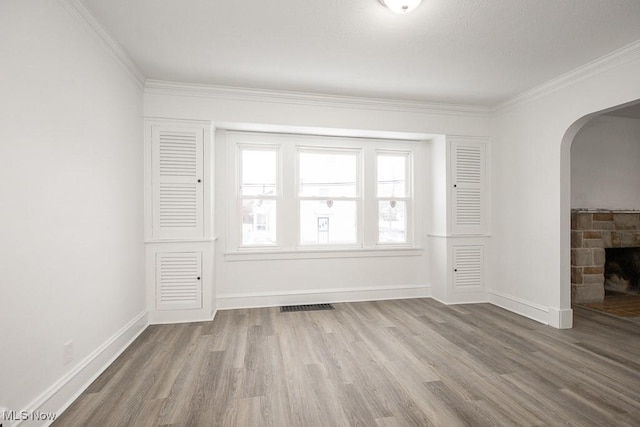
305	307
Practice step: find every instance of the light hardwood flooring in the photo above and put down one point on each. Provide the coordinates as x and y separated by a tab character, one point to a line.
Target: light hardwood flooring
389	363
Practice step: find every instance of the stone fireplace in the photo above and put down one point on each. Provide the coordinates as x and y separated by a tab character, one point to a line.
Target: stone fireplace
592	232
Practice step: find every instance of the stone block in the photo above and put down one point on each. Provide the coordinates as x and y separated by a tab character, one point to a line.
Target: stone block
602	225
584	221
576	275
606	239
580	257
591	234
574	220
615	239
593	243
589	279
576	239
593	270
603	216
625	239
626	221
587	293
598	256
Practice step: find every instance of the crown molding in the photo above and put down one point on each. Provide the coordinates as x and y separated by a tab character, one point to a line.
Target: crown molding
313	99
610	61
78	10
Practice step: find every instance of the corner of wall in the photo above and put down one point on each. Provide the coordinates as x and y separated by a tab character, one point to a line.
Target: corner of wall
62	393
561	319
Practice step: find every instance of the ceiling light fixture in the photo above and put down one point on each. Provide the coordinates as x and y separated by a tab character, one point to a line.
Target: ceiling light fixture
401	6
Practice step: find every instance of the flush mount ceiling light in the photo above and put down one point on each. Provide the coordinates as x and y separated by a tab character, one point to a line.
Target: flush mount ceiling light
401	6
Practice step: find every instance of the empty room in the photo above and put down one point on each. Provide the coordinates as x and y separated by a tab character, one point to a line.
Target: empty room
319	213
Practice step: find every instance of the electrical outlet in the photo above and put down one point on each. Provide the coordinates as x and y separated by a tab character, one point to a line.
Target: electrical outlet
67	353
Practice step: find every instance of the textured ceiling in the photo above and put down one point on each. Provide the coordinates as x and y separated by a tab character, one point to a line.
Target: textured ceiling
475	52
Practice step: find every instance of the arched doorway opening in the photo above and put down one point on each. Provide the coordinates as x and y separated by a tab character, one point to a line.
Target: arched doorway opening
601	210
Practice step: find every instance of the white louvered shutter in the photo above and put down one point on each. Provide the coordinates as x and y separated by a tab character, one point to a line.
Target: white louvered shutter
468	268
178	280
468	175
177	160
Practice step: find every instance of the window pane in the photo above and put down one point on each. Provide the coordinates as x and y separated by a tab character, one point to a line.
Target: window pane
392	224
392	175
258	222
328	222
328	174
259	172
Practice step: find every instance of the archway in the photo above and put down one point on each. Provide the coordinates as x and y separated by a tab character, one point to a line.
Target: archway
568	291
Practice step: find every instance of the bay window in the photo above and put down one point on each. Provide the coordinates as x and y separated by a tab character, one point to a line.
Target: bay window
302	193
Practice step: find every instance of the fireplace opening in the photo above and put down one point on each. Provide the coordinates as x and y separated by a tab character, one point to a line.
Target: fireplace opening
622	270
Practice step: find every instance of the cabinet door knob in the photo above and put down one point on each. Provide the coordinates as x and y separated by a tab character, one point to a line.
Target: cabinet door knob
199	180
455	269
198	277
455	185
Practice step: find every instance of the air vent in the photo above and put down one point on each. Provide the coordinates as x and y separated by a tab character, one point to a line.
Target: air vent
305	307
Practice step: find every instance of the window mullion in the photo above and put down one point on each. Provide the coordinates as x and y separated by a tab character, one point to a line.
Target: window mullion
288	184
369	206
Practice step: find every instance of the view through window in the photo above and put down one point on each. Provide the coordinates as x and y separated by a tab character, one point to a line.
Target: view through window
296	192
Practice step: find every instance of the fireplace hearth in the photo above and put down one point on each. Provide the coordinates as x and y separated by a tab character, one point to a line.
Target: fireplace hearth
593	232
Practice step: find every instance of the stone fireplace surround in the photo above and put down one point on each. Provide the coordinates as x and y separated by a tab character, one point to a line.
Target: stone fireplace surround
593	230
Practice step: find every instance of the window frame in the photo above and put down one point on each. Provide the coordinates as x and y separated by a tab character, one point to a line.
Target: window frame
240	197
288	226
358	198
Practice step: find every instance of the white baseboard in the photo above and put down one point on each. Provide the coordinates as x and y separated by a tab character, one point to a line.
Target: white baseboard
63	392
162	317
273	299
557	318
561	319
520	306
466	298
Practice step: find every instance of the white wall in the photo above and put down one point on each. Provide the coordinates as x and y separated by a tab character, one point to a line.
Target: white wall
71	236
531	182
605	164
272	282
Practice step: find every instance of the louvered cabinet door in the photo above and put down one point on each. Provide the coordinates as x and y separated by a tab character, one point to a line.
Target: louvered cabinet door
468	176
468	271
177	175
178	280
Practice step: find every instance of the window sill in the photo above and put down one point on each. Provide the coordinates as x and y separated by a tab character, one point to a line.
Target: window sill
266	255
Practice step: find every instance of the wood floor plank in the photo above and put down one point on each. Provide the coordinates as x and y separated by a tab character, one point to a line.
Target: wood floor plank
387	363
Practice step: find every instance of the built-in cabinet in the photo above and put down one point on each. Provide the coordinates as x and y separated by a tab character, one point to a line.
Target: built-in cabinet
459	218
177	167
179	220
468	187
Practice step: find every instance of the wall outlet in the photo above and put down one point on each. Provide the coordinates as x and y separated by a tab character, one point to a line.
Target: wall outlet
67	353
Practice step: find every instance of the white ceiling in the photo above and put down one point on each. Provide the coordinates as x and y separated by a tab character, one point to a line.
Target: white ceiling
474	52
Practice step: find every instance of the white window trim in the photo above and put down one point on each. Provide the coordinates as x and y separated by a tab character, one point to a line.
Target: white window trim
288	236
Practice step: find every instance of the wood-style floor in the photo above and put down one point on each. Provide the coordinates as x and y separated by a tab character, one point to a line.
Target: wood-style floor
390	363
